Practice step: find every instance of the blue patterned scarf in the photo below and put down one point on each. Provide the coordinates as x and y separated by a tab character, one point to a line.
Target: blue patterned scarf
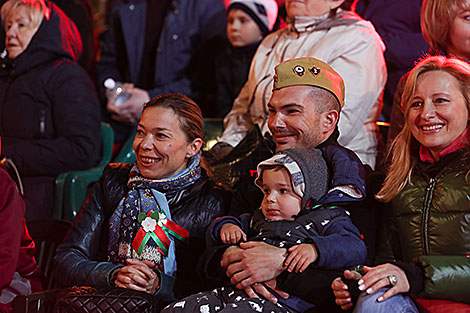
147	197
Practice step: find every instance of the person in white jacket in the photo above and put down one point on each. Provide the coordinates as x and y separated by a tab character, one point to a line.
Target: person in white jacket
318	28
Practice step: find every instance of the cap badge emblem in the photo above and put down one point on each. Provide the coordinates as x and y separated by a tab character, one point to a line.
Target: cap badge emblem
315	70
299	70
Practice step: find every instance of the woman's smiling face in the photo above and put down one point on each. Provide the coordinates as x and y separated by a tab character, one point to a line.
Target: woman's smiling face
160	145
438	113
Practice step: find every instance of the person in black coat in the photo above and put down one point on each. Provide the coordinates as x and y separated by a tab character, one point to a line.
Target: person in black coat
166	195
49	111
81	13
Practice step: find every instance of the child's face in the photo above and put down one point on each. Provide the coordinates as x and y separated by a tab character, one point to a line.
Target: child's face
280	202
241	29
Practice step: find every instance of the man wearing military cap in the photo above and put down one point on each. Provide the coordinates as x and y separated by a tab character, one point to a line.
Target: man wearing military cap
303	113
304	108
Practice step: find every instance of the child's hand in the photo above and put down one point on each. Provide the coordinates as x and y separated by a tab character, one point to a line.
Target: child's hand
300	257
230	233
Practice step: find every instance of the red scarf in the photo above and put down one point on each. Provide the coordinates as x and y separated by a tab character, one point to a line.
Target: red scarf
461	142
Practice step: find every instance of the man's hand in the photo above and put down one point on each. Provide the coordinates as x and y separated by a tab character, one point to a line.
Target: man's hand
231	233
255	262
138	275
300	257
340	289
130	111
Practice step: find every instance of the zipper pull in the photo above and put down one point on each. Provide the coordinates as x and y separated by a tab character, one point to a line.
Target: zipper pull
42	122
431	181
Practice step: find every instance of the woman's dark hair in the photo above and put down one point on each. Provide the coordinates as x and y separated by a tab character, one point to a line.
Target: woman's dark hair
188	112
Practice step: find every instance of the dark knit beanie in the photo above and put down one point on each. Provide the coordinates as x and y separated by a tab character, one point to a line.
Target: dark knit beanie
263	12
308	171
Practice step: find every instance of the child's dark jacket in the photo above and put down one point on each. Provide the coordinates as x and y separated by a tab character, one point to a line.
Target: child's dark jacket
337	240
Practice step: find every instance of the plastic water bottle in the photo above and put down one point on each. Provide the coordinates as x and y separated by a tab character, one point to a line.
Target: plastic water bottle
115	90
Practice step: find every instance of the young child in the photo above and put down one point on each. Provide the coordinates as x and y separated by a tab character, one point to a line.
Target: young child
293	215
248	22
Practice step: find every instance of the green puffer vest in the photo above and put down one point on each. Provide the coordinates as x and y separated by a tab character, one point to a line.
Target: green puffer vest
432	213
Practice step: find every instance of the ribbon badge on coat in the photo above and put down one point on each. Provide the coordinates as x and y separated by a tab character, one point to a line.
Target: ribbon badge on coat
156	226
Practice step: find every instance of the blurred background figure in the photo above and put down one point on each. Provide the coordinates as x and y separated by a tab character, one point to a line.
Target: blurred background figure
248	22
397	22
19	273
81	13
160	47
49	112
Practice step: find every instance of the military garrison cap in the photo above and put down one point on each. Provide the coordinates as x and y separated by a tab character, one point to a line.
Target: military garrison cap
310	72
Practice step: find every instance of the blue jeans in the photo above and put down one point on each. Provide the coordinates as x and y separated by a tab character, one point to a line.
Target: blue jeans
399	303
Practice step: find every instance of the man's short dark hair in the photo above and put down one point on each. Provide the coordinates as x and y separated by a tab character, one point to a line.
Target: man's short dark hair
327	101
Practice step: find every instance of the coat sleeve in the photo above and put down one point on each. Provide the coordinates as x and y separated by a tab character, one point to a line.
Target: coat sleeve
339	246
209	267
213	231
209	264
76	126
312	285
362	66
11	215
388	246
446	277
76	261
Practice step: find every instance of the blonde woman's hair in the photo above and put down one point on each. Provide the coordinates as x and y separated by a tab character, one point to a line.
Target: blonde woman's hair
437	18
37	10
405	148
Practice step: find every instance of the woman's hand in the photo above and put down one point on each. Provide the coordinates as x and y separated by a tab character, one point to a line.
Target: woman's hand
231	233
378	277
138	275
340	289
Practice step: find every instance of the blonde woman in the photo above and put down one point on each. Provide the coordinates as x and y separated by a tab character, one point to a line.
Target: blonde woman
427	234
49	111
